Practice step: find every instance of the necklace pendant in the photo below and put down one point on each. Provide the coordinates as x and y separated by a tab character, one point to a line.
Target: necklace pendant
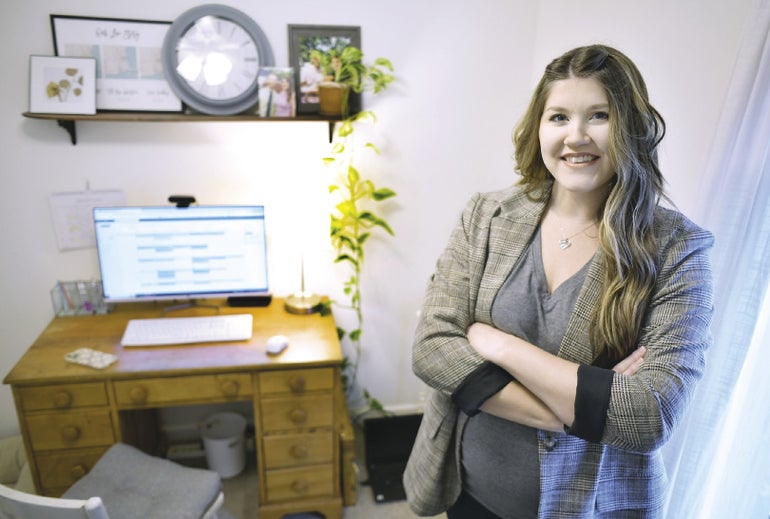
564	243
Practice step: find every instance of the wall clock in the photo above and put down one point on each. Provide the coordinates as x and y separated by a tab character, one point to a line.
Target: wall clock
211	57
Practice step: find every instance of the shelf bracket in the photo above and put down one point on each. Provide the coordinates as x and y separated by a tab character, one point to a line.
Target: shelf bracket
331	131
69	126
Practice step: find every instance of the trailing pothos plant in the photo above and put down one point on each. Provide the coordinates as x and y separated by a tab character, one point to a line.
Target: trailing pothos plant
353	219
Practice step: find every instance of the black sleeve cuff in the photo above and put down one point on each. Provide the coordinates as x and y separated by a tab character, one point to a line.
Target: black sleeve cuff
592	399
482	383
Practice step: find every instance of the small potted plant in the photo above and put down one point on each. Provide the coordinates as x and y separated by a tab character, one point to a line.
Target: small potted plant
344	71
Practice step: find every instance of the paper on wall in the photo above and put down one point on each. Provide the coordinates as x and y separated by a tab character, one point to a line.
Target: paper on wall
73	218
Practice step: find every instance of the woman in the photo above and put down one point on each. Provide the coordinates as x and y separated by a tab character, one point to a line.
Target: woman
565	326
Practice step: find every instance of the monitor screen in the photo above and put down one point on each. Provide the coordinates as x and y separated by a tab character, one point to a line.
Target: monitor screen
168	252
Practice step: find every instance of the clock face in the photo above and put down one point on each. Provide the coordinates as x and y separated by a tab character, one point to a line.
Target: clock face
217	58
211	58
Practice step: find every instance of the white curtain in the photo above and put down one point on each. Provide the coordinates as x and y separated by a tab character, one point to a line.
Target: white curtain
719	459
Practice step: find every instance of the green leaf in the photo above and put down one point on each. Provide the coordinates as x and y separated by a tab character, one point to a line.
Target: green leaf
365	116
384	62
351	54
345	240
345	257
346	208
355	334
383	194
366	188
345	128
325	308
353	176
375	220
372	147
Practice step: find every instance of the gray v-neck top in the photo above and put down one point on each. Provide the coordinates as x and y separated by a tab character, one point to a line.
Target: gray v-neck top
500	461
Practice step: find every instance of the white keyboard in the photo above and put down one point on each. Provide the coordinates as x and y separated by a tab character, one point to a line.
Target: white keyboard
186	330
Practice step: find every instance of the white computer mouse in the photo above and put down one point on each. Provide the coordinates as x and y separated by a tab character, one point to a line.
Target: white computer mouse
276	344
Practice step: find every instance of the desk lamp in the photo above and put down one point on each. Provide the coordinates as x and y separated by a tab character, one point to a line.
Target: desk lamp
302	302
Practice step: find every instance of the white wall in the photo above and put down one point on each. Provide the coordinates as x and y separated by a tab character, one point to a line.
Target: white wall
465	74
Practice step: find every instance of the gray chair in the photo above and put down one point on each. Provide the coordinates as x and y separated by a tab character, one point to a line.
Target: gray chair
126	483
17	504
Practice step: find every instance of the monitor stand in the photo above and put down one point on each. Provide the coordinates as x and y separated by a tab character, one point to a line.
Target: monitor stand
193	303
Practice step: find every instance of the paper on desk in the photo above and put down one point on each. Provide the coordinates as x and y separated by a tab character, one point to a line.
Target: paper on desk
73	216
91	358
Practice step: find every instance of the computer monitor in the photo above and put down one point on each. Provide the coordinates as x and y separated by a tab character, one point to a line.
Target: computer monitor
181	253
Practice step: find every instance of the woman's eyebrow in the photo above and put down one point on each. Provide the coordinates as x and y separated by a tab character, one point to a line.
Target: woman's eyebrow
600	106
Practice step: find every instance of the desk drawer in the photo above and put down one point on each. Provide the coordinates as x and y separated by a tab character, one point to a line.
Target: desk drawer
62	469
296	381
38	398
291	413
294	484
170	390
70	429
291	450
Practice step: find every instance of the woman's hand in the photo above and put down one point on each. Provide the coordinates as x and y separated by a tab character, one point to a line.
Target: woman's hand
631	364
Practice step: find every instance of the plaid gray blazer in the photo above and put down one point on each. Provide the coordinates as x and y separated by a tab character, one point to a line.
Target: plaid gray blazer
577	478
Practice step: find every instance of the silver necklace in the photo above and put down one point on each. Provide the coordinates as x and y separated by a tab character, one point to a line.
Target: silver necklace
565	241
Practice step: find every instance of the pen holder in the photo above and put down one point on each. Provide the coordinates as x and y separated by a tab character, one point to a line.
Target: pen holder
78	298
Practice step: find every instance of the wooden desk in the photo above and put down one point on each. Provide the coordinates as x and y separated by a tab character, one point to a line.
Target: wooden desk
70	414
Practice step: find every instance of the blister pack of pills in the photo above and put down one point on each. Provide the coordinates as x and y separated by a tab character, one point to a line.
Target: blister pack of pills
90	357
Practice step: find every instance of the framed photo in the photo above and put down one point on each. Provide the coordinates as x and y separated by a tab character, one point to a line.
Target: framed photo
302	40
62	85
277	97
129	68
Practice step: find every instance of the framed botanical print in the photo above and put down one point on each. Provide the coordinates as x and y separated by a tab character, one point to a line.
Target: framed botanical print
62	85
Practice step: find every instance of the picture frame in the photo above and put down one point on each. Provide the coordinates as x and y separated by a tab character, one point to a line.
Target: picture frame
62	85
303	39
277	94
129	67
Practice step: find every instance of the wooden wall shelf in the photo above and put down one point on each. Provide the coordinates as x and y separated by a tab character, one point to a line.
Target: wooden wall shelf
67	121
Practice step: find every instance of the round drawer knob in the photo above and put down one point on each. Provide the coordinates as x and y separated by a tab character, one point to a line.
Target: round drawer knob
299	451
298	416
297	384
138	394
78	471
300	486
62	399
229	388
70	433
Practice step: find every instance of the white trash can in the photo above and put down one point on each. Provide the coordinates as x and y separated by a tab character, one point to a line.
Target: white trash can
224	441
